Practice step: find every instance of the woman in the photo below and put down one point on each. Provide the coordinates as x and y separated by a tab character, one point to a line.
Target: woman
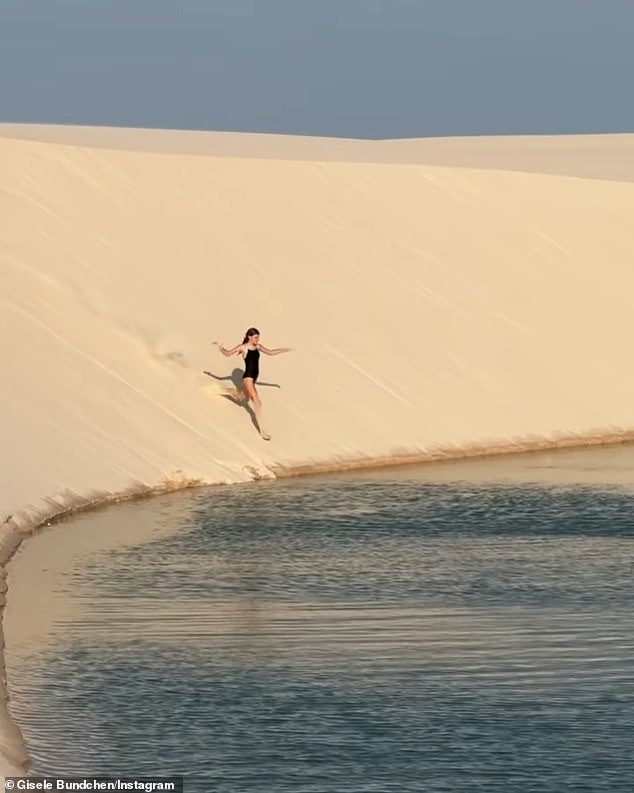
250	350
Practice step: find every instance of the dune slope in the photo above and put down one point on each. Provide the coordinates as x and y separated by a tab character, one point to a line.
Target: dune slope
434	310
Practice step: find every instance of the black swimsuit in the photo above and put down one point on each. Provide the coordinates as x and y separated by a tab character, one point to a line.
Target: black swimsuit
252	364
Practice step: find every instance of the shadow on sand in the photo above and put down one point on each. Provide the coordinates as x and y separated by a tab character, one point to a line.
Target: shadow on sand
236	379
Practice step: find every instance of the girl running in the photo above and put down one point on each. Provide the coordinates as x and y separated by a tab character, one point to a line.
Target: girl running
250	350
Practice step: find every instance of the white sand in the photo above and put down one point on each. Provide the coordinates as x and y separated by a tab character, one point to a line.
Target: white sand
442	297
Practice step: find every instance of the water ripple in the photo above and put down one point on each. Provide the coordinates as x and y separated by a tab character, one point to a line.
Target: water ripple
351	635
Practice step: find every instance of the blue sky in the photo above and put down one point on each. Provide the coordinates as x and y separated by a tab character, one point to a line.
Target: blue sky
359	68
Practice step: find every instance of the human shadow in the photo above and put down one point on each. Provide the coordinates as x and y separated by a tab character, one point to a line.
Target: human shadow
236	379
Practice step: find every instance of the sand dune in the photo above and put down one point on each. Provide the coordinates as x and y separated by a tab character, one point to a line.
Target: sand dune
442	297
587	156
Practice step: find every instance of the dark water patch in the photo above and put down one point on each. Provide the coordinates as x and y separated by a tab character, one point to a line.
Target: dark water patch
364	725
390	542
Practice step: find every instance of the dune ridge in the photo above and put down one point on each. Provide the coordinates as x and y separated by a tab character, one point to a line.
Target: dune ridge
596	156
443	299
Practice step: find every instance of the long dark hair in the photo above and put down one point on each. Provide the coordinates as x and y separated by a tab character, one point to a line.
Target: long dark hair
249	333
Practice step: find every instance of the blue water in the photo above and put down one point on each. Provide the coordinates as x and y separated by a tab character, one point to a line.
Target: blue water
356	634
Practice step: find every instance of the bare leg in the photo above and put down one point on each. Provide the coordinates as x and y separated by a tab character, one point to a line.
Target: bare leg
252	394
239	395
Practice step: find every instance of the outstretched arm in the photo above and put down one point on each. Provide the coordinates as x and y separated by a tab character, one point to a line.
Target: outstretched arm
233	351
275	351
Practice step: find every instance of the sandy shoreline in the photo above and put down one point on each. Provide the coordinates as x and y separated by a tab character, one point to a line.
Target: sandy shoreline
445	298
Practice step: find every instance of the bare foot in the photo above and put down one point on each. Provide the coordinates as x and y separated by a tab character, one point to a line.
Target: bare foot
265	436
